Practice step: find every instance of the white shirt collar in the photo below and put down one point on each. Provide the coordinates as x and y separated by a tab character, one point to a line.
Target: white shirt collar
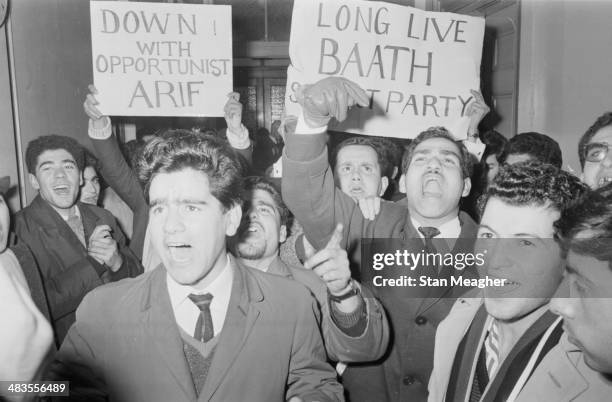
186	312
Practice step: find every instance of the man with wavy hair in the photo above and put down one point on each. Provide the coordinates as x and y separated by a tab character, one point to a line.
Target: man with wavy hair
491	342
199	326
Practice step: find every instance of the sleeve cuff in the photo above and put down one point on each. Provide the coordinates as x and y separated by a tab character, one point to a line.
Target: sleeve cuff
239	140
352	324
100	133
303	128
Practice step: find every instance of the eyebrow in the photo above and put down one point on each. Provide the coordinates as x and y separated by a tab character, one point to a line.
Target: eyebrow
45	163
486	227
528	235
159	201
442	151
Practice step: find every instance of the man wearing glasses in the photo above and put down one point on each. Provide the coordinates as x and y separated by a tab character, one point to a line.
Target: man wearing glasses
593	149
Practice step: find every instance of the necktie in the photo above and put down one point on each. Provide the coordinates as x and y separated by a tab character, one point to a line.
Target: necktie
204	327
76	224
492	349
429	233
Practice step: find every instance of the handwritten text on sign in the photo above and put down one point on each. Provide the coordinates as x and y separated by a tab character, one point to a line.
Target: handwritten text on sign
417	67
156	59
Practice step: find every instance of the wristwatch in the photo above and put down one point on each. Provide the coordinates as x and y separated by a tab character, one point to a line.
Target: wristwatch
353	291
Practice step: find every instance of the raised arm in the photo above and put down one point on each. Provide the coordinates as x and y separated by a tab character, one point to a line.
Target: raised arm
115	170
308	181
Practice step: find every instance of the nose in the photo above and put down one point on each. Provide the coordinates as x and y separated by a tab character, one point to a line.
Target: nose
173	222
433	164
497	256
59	172
563	305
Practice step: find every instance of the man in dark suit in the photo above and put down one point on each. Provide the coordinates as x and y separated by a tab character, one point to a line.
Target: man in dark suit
199	326
77	247
353	323
435	175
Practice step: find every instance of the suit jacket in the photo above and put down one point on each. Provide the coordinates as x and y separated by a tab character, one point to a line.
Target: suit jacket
126	345
68	272
309	191
367	345
557	377
563	376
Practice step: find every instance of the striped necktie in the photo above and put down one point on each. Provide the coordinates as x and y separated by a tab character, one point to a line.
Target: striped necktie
204	326
492	349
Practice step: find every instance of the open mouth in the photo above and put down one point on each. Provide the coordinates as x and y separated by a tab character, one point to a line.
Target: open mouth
254	227
432	184
61	189
179	252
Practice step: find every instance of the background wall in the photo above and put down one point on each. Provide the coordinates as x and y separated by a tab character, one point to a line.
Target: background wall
51	45
565	76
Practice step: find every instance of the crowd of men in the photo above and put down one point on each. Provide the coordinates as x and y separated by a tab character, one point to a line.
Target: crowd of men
198	303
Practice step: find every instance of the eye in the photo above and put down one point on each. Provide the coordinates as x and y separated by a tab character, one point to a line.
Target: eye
450	161
344	169
264	209
485	235
156	210
367	169
191	208
526	243
69	166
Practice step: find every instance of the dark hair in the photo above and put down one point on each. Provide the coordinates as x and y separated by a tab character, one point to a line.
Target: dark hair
495	145
586	227
377	144
44	143
602	121
175	150
539	146
91	160
439	132
534	183
253	183
131	151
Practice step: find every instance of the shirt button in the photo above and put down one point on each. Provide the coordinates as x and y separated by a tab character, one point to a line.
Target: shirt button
420	320
408	380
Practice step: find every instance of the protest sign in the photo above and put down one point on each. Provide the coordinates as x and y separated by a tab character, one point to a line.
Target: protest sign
417	67
157	59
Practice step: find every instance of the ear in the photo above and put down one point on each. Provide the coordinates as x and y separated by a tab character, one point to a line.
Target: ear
384	183
34	182
467	186
81	177
232	219
282	234
402	184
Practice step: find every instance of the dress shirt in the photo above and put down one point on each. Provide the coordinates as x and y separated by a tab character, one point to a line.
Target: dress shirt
186	313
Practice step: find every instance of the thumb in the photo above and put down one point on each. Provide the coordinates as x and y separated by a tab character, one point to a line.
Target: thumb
309	250
336	237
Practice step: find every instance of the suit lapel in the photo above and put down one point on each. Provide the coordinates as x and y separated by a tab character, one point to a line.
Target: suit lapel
242	313
90	220
160	325
465	243
54	225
